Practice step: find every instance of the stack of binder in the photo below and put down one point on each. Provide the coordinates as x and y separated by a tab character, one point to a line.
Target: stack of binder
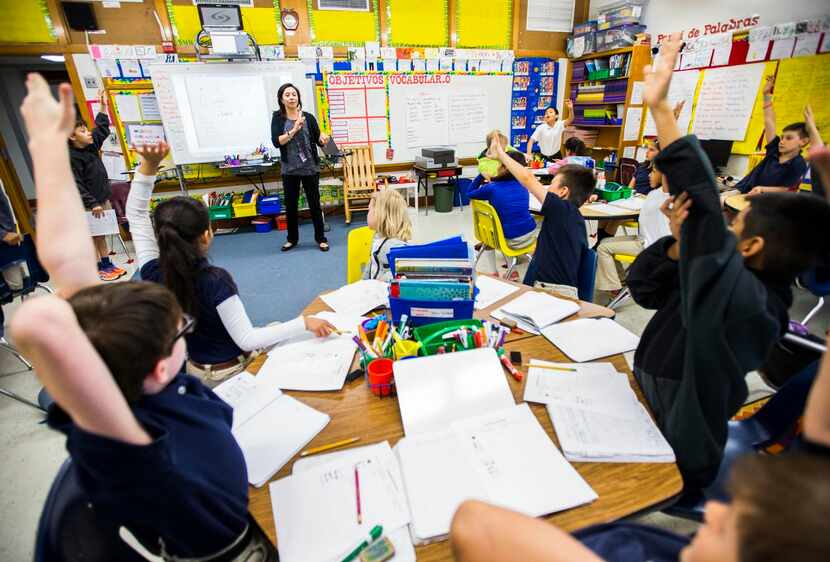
432	282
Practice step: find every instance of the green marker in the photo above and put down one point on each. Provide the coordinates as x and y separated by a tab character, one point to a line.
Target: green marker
374	535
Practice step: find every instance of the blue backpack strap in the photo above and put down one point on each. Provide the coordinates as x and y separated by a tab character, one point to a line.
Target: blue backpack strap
625	542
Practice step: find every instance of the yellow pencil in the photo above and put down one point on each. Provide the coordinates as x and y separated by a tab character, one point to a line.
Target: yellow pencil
551	368
330	446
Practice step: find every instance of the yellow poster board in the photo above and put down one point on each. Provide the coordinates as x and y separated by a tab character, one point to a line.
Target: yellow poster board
343	27
26	22
261	23
801	81
755	129
431	29
484	25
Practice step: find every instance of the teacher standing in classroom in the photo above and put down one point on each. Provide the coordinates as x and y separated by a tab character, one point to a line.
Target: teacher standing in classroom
296	134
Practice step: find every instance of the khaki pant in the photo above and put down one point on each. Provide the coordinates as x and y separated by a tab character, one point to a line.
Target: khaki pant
212	377
608	278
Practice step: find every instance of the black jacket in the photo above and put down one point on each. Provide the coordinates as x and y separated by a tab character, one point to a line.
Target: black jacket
716	320
90	173
278	128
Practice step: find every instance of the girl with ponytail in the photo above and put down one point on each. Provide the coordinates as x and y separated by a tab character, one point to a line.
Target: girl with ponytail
173	251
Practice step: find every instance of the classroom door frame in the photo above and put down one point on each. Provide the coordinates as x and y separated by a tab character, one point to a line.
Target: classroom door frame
14	190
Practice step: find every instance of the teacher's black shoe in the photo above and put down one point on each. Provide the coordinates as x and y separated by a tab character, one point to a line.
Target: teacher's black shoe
288	246
324	246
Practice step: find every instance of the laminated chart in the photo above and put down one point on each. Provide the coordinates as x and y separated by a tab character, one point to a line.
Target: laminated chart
357	110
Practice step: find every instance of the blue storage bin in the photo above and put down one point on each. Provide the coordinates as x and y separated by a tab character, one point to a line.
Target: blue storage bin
269	205
429	312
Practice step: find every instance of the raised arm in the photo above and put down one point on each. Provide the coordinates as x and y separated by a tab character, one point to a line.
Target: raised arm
569	105
812	129
479	189
102	122
64	243
657	79
769	111
522	174
138	201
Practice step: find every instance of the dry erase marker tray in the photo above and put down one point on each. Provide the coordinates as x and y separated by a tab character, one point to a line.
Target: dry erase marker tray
432	337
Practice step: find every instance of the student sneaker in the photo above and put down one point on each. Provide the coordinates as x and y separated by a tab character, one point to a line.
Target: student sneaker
107	275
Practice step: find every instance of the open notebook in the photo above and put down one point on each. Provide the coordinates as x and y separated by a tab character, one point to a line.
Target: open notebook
586	339
533	311
315	509
503	457
310	363
596	415
269	426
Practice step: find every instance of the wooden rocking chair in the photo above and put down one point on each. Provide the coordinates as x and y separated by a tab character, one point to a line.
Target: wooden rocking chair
359	182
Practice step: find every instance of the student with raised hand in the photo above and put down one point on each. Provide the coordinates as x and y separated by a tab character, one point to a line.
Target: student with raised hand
172	250
152	448
722	297
783	166
777	513
562	238
816	144
549	133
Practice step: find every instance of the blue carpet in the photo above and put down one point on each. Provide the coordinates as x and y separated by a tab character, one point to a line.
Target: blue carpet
277	285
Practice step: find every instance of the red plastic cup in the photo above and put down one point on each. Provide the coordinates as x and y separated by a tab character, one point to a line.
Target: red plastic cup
379	372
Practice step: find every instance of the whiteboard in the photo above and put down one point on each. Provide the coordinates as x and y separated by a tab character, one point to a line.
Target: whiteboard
455	110
725	102
210	110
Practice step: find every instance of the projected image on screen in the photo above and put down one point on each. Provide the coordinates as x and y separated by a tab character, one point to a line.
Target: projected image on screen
227	111
224	17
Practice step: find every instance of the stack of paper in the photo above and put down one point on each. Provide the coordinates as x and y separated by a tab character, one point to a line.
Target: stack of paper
596	415
309	363
503	457
491	290
630	204
315	509
269	426
586	339
533	311
359	297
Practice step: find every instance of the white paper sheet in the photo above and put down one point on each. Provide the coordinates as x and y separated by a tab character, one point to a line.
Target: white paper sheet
586	339
682	88
724	105
540	309
782	49
247	395
637	90
128	107
315	364
757	50
633	120
359	297
490	291
806	45
105	225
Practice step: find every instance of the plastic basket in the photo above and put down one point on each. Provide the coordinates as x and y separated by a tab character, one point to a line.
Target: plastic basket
263	225
220	212
431	336
244	205
615	194
269	205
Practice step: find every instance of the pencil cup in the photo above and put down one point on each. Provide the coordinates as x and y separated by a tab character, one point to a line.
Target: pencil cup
379	374
406	348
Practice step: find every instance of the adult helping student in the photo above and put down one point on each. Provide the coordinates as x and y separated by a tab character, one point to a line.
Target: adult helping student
152	448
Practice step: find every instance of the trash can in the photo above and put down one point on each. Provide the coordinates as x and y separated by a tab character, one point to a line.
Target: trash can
443	197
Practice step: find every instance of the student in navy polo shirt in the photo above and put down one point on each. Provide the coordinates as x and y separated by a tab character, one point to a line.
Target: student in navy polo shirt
783	166
173	251
152	448
562	237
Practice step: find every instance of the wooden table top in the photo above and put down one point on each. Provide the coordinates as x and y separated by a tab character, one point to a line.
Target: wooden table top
623	488
736	202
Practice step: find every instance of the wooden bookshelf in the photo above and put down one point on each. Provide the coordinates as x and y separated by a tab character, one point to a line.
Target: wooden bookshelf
610	137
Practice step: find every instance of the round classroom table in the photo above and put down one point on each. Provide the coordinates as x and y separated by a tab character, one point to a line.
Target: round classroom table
736	203
608	212
624	489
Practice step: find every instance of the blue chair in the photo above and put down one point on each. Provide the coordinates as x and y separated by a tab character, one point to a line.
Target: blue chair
586	278
774	420
817	281
69	529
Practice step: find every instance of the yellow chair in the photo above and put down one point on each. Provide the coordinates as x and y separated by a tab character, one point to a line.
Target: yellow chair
627	259
489	232
359	245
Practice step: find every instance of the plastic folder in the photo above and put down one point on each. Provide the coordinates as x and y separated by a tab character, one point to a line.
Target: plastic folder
455	248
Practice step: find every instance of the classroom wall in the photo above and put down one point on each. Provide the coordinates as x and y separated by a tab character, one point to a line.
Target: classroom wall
12	92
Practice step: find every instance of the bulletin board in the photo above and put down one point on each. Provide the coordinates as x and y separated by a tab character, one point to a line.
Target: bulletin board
343	27
263	22
803	81
26	22
432	29
484	25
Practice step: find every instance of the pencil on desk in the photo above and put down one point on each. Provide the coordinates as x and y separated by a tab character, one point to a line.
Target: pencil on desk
357	495
342	332
330	446
551	368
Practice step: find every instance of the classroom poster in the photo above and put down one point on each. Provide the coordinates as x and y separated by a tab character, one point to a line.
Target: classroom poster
357	108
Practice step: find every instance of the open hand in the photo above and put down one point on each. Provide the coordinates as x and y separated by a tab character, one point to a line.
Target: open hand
102	99
319	327
98	211
324	138
570	105
152	153
46	117
676	210
809	118
13	238
678	108
768	85
658	76
495	148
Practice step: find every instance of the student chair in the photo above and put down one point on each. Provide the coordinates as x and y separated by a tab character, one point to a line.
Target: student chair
773	422
818	283
359	181
359	245
70	530
488	231
587	275
628	167
624	294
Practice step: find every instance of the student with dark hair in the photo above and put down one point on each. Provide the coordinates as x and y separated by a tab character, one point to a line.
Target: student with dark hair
562	237
640	180
777	513
509	199
92	180
173	251
783	166
575	147
549	133
722	297
297	135
152	448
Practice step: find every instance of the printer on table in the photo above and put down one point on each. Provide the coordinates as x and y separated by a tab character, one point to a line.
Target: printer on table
435	158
